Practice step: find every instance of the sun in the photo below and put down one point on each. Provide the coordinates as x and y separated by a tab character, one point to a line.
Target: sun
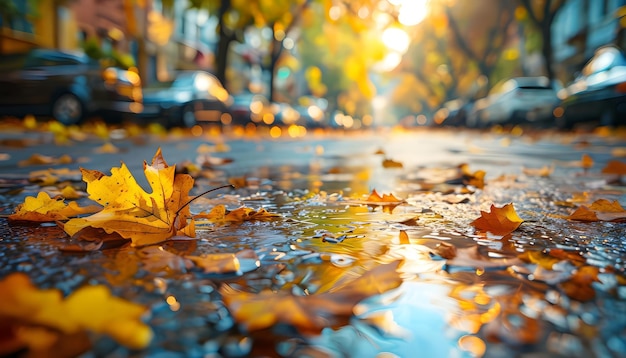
411	12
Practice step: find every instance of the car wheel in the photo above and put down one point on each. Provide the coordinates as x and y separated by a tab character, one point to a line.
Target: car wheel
188	116
67	109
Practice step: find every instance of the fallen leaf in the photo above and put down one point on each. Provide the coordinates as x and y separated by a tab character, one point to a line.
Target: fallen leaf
219	214
131	212
476	179
599	210
43	208
586	162
499	221
374	197
39	159
40	318
615	167
389	163
312	313
108	148
544	171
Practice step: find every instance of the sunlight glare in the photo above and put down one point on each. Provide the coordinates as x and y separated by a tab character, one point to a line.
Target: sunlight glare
412	12
396	39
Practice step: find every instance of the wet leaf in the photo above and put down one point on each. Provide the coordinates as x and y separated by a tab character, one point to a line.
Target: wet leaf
615	167
39	159
499	221
219	214
476	179
586	162
374	197
40	318
390	163
599	210
107	147
131	212
544	171
312	313
45	209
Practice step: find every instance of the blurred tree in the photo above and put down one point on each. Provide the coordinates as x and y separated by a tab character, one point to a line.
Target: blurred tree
234	16
541	14
339	45
457	51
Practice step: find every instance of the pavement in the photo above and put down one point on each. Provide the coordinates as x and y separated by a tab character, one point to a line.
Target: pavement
320	183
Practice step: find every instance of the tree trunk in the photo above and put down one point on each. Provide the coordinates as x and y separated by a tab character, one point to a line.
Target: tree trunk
226	36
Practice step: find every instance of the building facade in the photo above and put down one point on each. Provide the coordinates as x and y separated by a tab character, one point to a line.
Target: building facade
582	26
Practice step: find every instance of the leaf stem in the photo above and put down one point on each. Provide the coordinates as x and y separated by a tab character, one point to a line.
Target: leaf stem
205	193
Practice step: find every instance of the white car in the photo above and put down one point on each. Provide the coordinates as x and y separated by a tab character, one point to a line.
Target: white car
516	100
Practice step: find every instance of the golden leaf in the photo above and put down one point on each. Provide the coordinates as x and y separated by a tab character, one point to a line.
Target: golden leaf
43	208
43	316
499	221
130	211
599	210
219	214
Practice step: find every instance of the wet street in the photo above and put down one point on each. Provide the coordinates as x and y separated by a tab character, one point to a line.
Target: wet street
356	244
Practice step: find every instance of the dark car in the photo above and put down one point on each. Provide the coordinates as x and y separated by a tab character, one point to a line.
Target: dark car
598	93
251	108
192	97
69	86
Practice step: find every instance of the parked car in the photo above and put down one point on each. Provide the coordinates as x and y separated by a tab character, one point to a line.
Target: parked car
192	97
516	100
598	93
453	113
251	107
67	85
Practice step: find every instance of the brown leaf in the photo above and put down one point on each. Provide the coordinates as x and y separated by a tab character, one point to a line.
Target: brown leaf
389	163
615	167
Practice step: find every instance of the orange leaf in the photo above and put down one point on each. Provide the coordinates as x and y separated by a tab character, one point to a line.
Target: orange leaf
615	167
599	210
219	214
389	163
386	198
499	221
586	162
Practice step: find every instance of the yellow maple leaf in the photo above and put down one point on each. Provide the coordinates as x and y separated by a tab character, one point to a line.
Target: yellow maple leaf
499	221
44	208
599	210
145	218
32	312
